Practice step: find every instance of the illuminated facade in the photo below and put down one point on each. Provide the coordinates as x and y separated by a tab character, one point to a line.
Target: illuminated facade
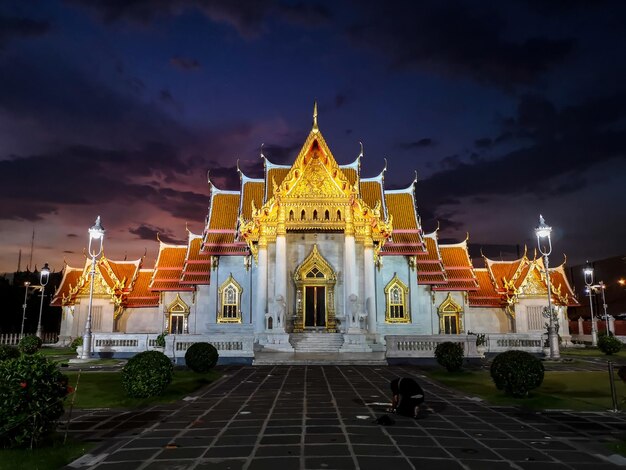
314	248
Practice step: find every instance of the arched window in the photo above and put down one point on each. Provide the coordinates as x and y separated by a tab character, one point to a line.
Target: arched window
315	214
450	317
176	317
230	302
326	215
302	215
396	294
290	215
338	215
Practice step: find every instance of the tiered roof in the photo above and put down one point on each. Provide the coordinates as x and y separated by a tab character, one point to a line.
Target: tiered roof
502	283
458	267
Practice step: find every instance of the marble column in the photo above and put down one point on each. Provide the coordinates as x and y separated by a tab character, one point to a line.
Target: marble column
280	277
370	286
260	298
349	264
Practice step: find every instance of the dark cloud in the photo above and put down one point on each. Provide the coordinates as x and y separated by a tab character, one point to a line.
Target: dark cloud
493	251
457	38
150	232
483	143
425	142
72	235
562	145
282	154
247	17
185	63
12	27
95	178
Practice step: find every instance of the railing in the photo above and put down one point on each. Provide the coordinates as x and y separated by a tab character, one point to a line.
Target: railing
13	339
407	346
124	345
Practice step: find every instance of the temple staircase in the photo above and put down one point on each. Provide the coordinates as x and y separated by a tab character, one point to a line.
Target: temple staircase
316	342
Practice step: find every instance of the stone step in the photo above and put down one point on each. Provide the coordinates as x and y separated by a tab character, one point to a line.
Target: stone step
317	358
316	342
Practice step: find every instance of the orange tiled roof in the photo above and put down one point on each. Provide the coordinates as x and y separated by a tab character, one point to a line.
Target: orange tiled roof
372	192
252	191
430	268
406	237
486	295
168	268
458	266
125	272
274	174
141	295
71	277
504	270
197	267
221	231
350	174
562	287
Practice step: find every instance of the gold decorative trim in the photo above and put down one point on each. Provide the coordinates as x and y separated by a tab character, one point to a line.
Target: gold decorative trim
315	262
396	295
449	308
222	292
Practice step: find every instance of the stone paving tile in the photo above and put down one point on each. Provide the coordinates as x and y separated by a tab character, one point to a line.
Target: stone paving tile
325	463
311	417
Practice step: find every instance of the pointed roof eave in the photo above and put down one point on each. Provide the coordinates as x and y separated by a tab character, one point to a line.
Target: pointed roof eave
379	178
244	180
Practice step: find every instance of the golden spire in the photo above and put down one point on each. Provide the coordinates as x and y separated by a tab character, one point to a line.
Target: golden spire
315	128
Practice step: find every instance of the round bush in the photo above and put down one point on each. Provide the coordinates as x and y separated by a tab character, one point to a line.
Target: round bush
32	390
450	355
8	352
201	357
147	374
30	344
609	344
516	372
77	343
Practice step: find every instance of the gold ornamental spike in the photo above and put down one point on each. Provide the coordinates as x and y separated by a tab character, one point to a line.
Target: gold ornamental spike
315	128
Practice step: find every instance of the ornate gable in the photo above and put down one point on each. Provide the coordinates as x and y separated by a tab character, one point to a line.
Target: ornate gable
315	195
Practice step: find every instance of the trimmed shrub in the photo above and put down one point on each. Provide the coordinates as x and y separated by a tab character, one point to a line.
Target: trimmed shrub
450	355
516	372
29	344
8	352
32	390
77	343
609	344
147	374
201	357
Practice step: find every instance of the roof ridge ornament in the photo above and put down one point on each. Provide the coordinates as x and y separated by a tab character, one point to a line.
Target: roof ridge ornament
315	128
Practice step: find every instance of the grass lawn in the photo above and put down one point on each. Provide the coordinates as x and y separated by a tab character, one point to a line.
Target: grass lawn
591	352
52	457
582	391
104	389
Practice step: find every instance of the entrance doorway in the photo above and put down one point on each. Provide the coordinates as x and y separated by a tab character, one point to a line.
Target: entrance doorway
315	306
315	294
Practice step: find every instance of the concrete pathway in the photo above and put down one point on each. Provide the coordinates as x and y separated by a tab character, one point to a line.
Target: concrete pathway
322	417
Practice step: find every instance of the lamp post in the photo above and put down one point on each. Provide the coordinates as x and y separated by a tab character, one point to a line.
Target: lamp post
96	238
588	273
602	287
26	285
544	243
44	277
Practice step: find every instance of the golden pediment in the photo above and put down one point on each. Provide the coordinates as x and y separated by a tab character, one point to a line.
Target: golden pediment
533	285
316	181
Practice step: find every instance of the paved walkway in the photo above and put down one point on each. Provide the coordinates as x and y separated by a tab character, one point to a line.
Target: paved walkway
321	417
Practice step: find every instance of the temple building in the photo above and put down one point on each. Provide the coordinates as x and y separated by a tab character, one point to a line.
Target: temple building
313	256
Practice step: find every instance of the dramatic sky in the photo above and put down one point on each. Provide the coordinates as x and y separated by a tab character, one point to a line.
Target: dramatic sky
118	108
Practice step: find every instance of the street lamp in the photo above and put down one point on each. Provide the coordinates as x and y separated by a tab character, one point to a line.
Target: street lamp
602	287
545	247
588	273
26	285
96	238
44	277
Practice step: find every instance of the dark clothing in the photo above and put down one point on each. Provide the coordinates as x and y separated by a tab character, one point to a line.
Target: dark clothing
410	395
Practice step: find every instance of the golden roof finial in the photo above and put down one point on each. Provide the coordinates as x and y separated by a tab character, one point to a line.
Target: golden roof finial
361	154
315	128
262	144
